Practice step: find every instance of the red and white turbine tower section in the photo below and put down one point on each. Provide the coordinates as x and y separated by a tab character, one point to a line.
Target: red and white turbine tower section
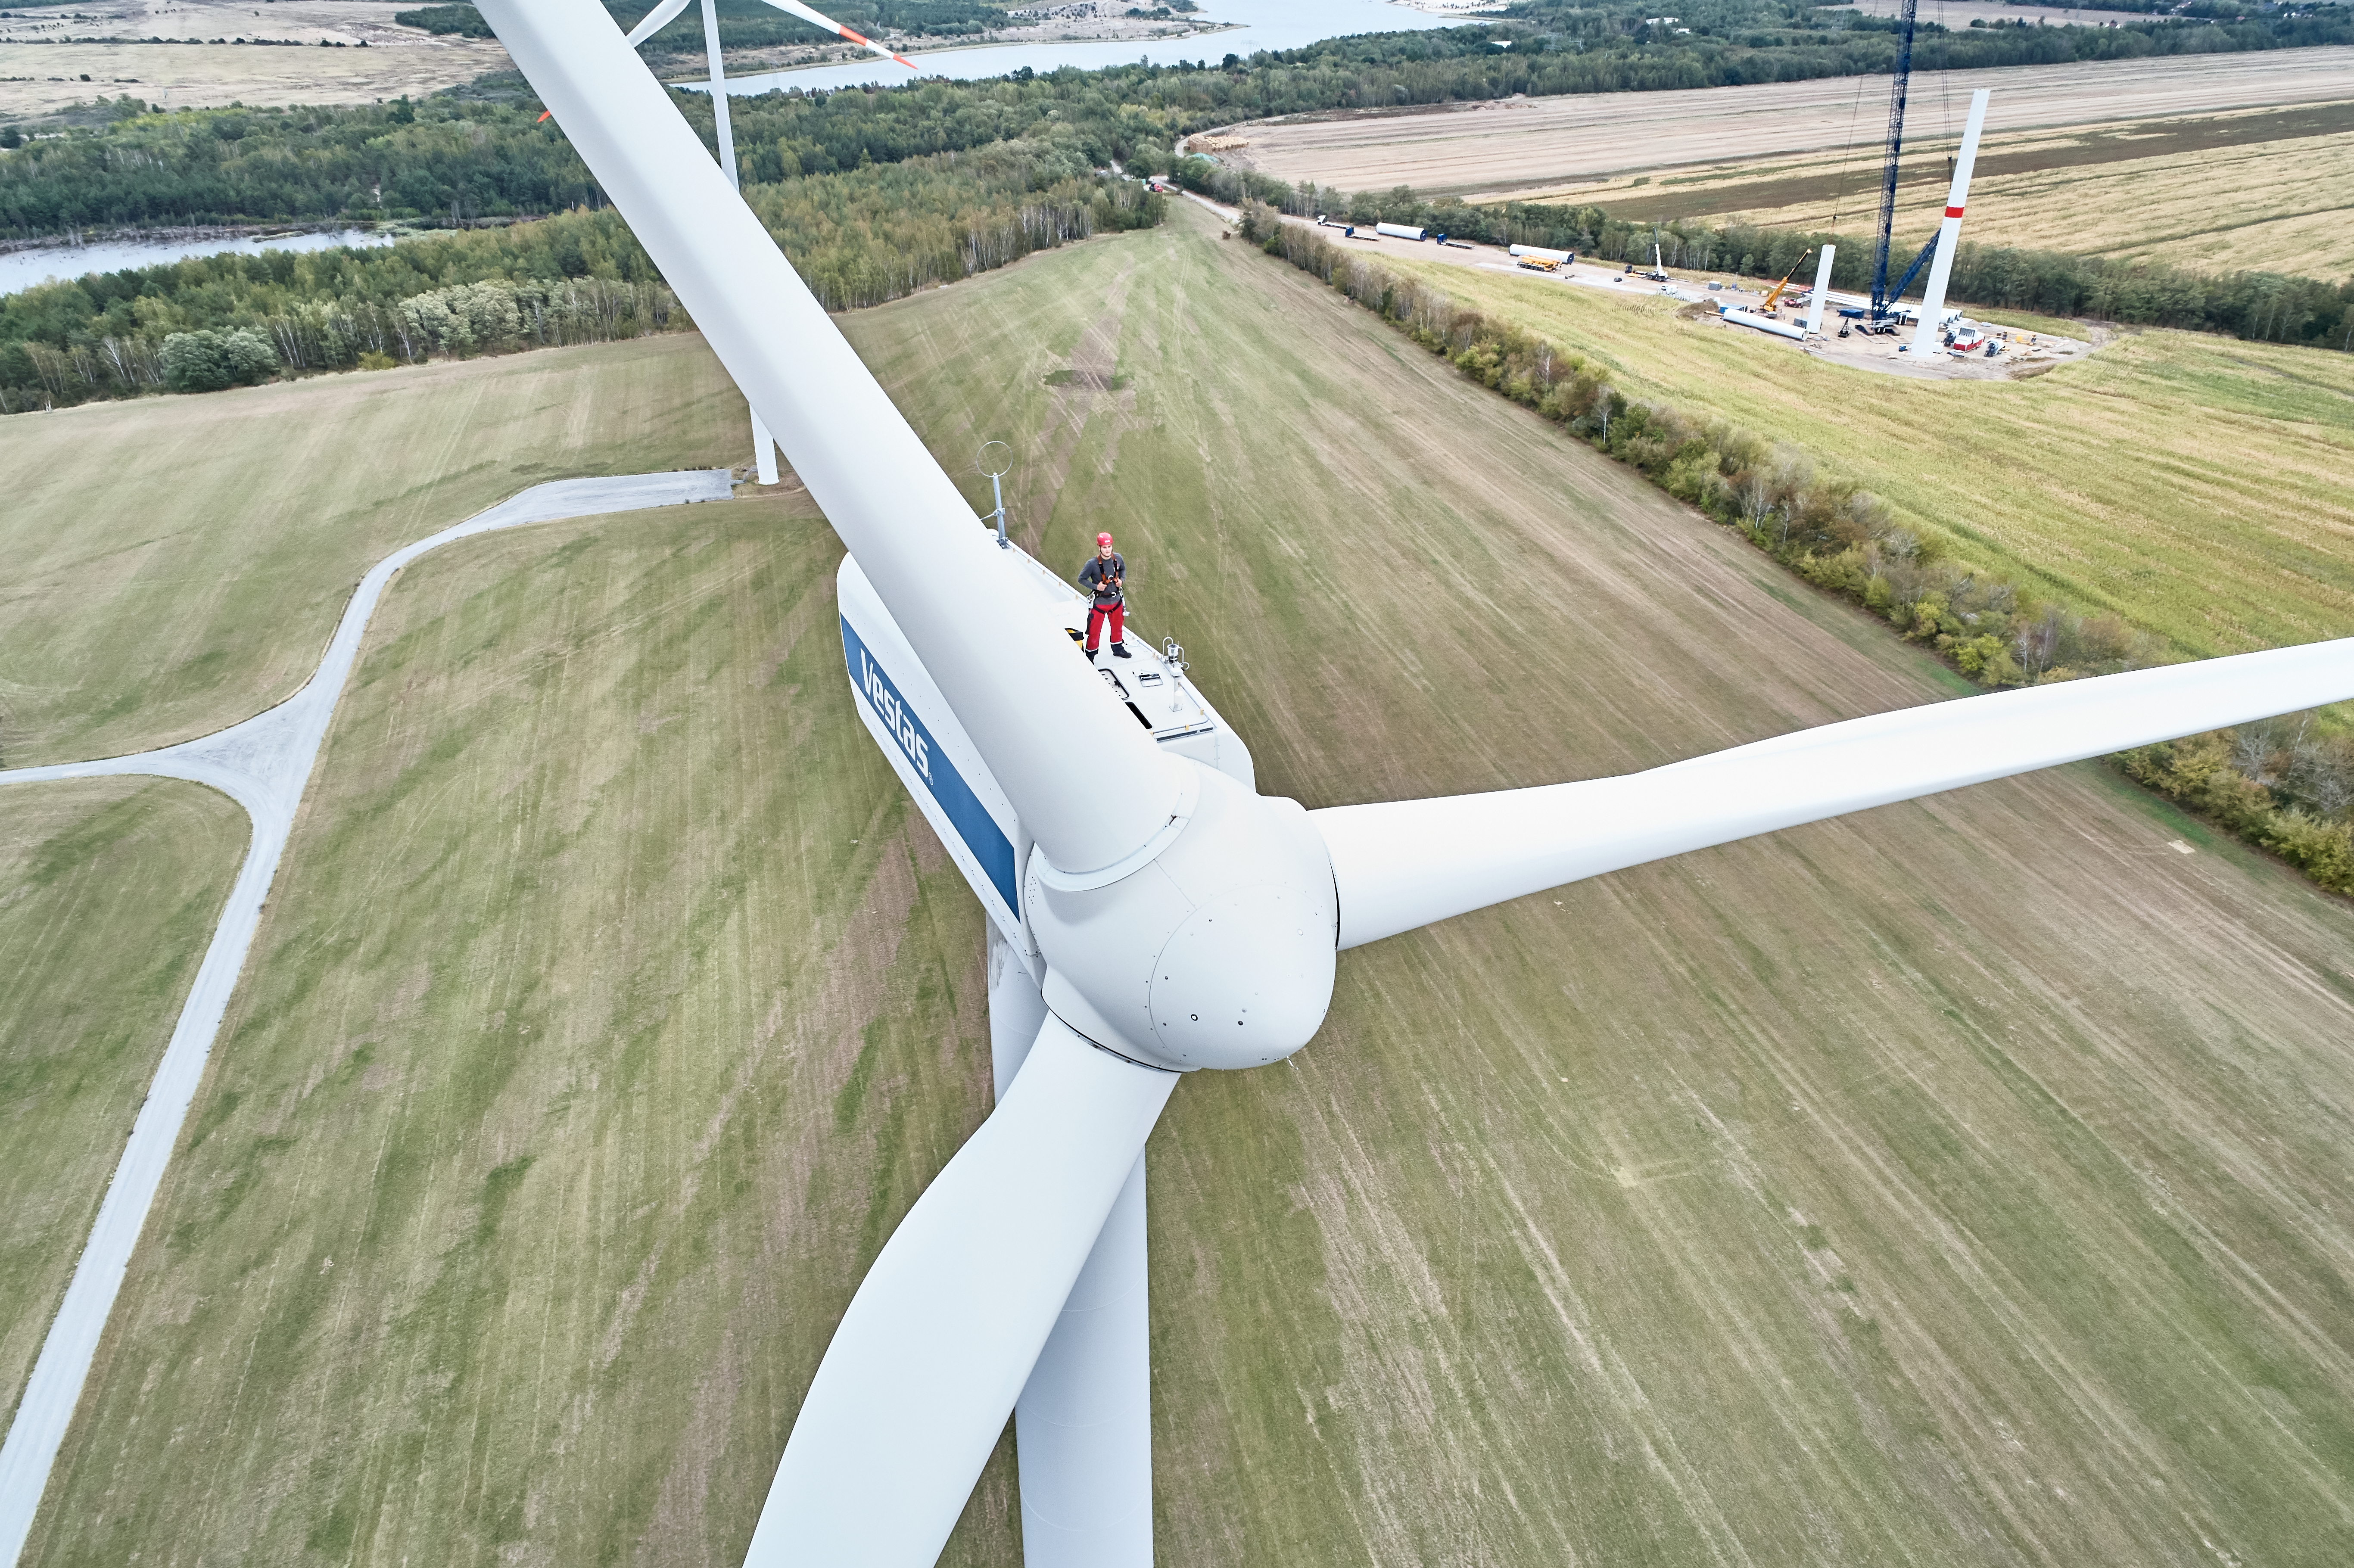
1950	232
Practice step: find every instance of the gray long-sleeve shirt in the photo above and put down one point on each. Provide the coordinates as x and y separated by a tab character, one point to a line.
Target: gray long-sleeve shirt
1105	579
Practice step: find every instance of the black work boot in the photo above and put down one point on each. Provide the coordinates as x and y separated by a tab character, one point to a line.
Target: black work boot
1119	650
1091	656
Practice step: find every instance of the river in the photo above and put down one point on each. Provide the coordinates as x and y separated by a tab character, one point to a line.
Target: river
23	268
1259	24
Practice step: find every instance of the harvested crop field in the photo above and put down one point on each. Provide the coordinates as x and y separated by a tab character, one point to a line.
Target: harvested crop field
2269	190
2192	485
1965	1182
108	889
195	53
193	582
1553	147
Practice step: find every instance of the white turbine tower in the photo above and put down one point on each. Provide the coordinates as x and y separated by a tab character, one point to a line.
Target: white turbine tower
1949	229
1149	916
1822	290
764	445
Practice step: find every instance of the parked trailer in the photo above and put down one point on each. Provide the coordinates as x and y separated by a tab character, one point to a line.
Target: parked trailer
1398	231
1766	324
1539	253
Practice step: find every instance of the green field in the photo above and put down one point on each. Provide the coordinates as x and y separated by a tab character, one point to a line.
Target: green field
2193	485
108	889
1965	1182
176	564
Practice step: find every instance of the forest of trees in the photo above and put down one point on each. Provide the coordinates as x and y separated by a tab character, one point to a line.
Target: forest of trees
859	238
2282	784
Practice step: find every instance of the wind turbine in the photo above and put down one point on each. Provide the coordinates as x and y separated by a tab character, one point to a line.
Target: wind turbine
1149	916
764	445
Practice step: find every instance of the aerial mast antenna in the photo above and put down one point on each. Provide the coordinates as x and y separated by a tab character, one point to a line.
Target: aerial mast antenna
1906	19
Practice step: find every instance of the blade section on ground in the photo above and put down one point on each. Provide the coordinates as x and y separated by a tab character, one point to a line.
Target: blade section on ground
1408	863
938	1343
1086	780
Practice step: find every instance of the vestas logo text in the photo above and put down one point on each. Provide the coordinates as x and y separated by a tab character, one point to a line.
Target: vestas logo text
895	716
934	770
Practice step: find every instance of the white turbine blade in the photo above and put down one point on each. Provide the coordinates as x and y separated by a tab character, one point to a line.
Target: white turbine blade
938	1343
1409	863
817	19
1085	778
655	21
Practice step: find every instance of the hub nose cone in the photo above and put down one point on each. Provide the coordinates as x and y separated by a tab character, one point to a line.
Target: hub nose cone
1245	980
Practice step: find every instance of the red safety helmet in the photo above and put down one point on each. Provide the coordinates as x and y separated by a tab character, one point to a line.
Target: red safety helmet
1103	539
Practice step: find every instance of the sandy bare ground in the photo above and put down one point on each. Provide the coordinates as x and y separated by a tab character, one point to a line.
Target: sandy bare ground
45	53
1549	144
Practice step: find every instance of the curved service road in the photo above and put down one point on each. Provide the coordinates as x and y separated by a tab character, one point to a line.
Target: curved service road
263	764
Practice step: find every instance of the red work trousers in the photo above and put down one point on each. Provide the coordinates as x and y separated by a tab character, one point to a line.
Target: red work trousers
1095	614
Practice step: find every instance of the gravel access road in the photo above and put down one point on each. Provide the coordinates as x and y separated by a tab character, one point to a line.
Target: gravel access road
1528	143
263	764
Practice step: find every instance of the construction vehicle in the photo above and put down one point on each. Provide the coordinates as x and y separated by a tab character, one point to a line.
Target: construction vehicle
1775	297
1539	263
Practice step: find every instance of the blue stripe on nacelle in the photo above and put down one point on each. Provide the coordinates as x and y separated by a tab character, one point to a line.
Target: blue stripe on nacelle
979	830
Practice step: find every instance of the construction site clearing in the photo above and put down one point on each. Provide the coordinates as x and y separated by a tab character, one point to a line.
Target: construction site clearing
1975	349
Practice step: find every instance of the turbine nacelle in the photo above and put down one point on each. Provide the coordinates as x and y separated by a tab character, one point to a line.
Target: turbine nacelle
1213	946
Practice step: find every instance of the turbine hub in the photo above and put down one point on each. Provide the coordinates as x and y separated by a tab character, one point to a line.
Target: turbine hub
1214	947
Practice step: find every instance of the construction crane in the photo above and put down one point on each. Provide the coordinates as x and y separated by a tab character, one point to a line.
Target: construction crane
1880	295
1775	297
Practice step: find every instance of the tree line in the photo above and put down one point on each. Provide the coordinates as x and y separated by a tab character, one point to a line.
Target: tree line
484	152
2266	307
2283	785
858	238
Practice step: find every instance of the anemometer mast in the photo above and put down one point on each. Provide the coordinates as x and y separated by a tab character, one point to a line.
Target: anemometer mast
995	460
1880	291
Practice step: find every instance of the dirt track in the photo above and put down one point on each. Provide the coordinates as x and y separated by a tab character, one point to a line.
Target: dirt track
1533	142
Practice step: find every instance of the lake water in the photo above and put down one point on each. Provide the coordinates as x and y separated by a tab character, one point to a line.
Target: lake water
23	268
1261	24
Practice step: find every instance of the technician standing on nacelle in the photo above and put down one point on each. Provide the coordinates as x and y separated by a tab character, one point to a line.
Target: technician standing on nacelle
1106	577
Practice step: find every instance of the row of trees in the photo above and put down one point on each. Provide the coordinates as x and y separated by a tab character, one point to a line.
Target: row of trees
2283	785
858	239
2276	784
469	154
2267	307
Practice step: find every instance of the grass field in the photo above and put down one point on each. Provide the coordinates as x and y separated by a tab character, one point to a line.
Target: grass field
1966	1183
2193	485
190	577
108	888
